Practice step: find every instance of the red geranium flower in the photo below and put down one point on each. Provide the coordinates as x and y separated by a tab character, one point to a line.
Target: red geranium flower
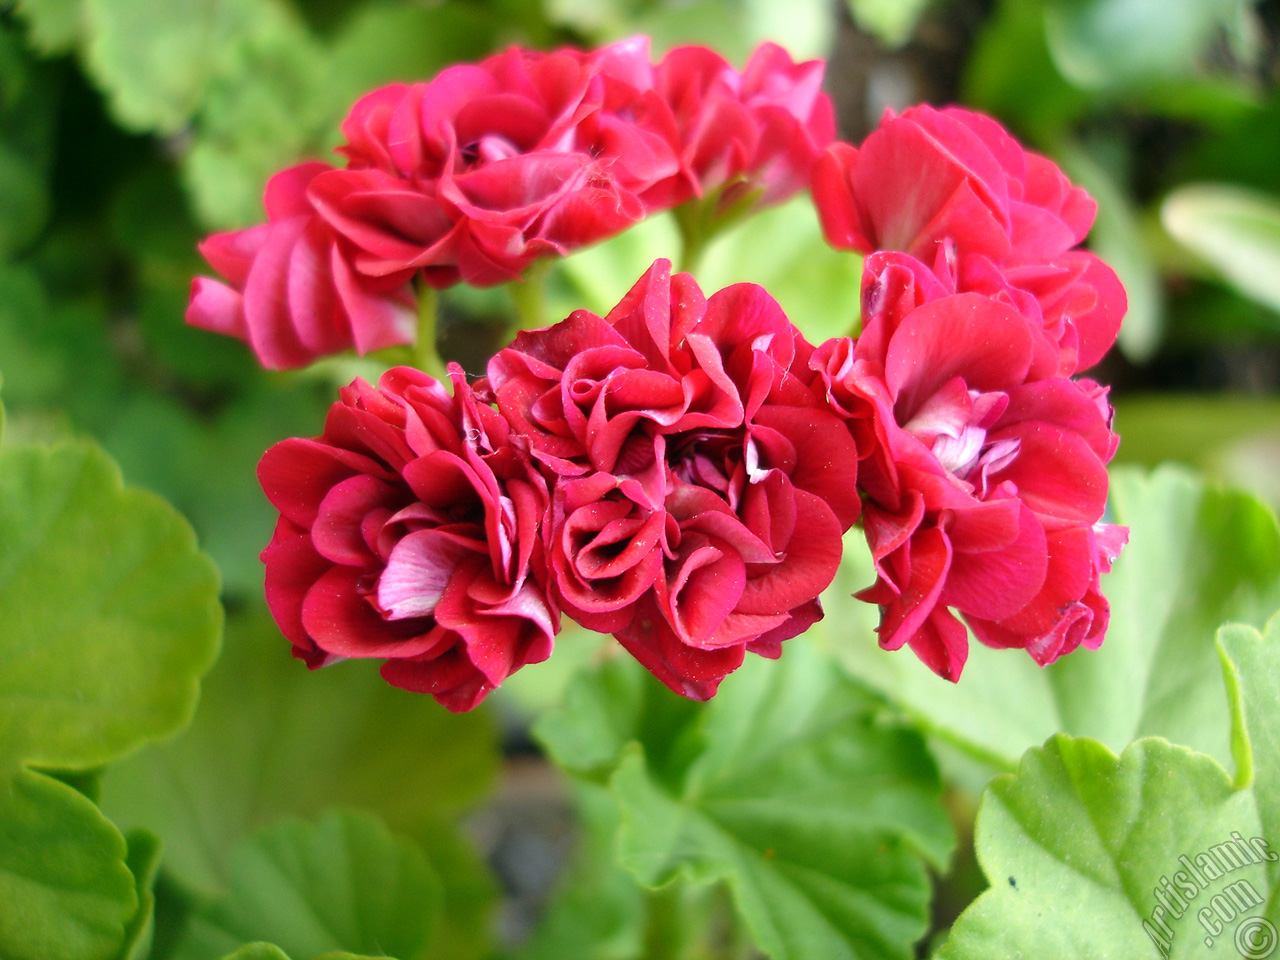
486	168
409	532
755	132
701	487
291	291
985	487
952	188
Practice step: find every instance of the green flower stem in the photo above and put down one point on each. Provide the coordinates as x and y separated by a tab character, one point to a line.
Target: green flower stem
425	356
695	231
677	920
529	297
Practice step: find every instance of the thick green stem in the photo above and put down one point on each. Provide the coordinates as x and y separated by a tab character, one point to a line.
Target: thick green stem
425	355
666	934
694	234
529	297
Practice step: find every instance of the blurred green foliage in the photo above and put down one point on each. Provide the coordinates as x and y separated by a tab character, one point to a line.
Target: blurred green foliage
130	128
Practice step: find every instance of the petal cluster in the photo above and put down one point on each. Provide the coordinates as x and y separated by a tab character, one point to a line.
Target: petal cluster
290	289
409	532
952	188
477	173
701	487
983	461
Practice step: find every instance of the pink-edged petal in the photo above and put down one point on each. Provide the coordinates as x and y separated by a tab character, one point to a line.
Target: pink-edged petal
418	571
217	308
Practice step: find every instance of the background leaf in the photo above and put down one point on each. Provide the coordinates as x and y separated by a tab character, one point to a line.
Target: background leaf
792	786
110	617
889	21
1102	44
274	739
342	883
1234	229
1089	842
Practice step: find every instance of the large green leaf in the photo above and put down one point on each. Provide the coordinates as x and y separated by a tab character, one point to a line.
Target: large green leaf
792	786
262	110
110	616
1198	555
273	738
153	58
1234	229
1158	848
1079	847
1109	44
1252	662
343	883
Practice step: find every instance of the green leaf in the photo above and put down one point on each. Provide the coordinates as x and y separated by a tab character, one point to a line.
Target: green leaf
54	24
1198	555
110	612
1236	230
110	616
65	891
792	786
1079	847
1253	665
1109	44
273	738
143	861
890	21
343	883
1107	854
264	108
152	57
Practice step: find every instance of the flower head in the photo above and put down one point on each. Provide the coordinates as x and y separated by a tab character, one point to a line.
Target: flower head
985	487
409	532
291	291
701	487
953	189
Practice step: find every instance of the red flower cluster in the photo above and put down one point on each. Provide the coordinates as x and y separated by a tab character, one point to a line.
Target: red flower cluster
680	472
488	167
701	487
983	462
669	474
